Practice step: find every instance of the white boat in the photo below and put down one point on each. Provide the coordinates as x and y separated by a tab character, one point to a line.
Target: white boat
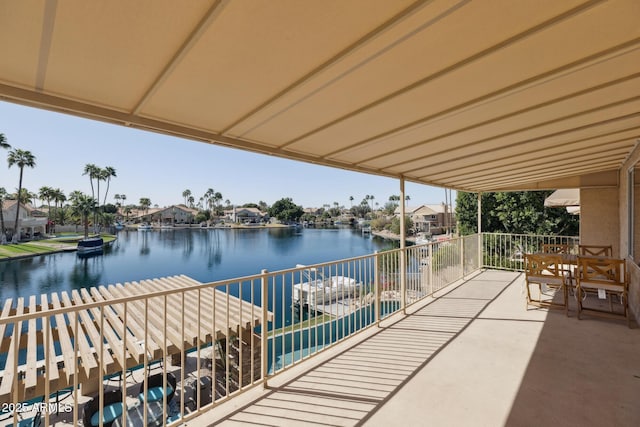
90	245
144	227
320	290
119	226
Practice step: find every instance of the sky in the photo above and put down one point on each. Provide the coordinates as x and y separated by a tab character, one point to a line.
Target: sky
161	167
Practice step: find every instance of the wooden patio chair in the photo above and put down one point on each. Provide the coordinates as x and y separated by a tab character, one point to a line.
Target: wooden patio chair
595	250
547	273
556	248
604	279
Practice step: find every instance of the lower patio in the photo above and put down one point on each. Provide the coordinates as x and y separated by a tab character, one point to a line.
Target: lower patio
474	354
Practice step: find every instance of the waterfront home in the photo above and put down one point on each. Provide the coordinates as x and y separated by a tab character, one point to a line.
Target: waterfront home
175	214
430	219
31	222
241	215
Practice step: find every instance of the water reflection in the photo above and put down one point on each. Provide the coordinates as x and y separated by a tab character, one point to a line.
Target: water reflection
212	248
204	254
86	272
144	247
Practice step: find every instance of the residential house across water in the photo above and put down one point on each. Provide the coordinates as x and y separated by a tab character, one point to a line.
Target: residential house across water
31	222
430	219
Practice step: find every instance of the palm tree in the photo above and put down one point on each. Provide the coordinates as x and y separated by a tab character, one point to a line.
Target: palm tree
107	174
207	198
59	197
24	196
186	193
3	142
94	173
46	194
74	195
145	202
217	197
116	197
21	158
351	200
83	205
3	196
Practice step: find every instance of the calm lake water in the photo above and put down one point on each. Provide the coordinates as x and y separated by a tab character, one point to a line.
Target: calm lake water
204	254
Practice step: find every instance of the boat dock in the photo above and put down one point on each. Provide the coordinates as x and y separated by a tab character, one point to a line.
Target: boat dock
64	339
339	308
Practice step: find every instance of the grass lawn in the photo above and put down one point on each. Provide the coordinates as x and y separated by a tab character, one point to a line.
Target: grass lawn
45	246
7	251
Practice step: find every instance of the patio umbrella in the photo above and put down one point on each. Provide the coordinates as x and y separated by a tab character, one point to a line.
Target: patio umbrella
565	197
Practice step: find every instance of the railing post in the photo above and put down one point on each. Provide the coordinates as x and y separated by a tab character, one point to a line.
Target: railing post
264	338
480	258
462	255
376	287
430	268
403	280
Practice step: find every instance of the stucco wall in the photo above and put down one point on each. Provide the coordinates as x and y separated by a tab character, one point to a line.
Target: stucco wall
599	219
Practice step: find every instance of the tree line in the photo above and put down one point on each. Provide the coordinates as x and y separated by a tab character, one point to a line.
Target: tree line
515	212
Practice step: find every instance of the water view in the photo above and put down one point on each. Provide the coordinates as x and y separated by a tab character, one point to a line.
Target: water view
204	254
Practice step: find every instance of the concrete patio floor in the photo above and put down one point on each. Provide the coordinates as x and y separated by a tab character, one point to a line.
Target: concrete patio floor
474	355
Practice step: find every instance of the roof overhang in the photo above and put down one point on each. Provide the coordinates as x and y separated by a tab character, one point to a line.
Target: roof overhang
474	96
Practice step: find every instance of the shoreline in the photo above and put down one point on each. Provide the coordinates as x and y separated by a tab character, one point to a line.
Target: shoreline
216	227
44	247
51	245
385	234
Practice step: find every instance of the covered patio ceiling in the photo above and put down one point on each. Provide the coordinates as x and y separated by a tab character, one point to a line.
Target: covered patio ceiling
471	95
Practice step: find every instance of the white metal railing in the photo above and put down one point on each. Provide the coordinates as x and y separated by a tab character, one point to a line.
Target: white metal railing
216	339
506	251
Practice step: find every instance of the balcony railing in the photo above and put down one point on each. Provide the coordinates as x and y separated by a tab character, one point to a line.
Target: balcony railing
217	339
504	251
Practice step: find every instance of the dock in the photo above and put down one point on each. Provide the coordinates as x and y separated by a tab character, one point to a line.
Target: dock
340	308
79	337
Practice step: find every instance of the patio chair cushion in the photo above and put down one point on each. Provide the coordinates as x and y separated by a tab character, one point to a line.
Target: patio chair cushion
110	413
546	279
156	393
608	285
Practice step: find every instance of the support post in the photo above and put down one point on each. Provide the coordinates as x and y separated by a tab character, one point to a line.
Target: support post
480	260
403	251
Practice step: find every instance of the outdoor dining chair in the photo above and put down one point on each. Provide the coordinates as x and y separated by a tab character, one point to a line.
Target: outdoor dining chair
545	271
603	279
595	250
556	248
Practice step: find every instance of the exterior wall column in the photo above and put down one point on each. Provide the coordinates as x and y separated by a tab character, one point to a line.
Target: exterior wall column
480	261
